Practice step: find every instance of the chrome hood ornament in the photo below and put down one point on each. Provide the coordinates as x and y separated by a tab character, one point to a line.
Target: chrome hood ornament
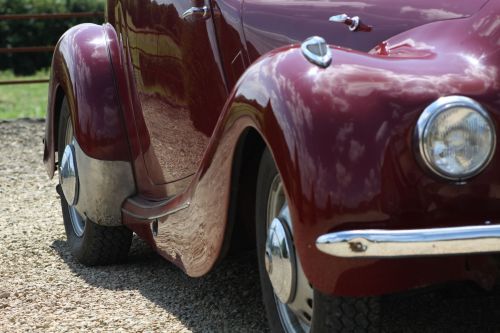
317	51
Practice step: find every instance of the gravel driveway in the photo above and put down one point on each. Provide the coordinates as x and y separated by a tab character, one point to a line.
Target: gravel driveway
43	289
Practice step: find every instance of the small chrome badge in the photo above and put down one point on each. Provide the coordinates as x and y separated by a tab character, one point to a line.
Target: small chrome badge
317	51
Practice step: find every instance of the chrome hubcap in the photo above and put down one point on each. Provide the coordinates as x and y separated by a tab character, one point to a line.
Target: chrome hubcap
69	175
280	260
68	178
293	293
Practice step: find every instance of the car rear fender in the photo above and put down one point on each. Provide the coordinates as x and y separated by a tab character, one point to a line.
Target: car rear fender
82	71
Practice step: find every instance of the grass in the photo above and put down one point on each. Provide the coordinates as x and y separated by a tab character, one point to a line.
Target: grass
23	100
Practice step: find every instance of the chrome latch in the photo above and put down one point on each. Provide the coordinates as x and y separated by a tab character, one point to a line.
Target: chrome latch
194	13
354	23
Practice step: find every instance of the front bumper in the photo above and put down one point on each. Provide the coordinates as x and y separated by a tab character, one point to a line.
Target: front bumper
411	243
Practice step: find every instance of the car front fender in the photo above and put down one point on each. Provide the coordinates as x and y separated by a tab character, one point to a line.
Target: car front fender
342	136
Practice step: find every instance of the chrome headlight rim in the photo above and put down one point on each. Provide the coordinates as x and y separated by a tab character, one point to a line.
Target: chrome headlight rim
436	108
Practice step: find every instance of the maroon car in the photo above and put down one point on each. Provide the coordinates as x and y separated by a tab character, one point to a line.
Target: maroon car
352	143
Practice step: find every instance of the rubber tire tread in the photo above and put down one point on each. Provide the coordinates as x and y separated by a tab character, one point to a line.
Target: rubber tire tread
345	314
99	245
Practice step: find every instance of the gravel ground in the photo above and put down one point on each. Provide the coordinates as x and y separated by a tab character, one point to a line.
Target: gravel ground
43	289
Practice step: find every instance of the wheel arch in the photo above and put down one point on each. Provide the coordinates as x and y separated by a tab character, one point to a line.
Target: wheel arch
240	230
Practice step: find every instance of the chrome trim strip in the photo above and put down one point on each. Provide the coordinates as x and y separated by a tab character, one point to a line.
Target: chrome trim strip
154	217
411	243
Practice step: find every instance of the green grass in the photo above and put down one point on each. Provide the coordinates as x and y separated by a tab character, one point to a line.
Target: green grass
23	100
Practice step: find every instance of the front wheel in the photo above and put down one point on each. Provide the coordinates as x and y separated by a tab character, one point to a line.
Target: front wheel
90	243
292	305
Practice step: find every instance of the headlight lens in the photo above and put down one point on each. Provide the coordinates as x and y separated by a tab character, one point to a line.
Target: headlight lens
456	137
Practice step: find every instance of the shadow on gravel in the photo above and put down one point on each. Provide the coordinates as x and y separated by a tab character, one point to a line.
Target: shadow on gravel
228	299
455	307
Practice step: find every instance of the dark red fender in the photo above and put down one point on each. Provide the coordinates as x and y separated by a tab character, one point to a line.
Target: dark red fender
342	140
82	69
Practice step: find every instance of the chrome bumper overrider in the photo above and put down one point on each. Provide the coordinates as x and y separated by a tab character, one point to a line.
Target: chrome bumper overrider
411	243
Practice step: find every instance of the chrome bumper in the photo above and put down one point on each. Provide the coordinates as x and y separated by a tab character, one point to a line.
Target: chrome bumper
411	243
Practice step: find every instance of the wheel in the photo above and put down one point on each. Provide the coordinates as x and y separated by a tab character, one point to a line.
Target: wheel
91	244
292	305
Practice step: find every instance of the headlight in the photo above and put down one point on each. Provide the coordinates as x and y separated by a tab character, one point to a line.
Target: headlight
456	137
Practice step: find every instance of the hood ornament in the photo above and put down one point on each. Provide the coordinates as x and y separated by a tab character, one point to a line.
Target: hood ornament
317	51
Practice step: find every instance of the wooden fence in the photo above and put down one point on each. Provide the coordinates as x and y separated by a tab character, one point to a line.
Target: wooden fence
38	49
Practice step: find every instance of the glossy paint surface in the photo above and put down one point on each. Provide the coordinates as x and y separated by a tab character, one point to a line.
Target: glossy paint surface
272	24
364	175
82	68
230	37
178	82
341	136
342	140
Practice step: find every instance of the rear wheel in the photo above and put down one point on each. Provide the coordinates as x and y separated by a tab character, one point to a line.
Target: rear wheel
292	305
90	243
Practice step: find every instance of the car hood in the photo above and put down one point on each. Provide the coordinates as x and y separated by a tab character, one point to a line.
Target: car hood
269	24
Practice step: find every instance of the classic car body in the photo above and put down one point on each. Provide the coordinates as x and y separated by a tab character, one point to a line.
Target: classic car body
173	103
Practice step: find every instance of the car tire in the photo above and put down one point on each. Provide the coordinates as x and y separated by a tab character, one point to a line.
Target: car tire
91	244
329	313
346	314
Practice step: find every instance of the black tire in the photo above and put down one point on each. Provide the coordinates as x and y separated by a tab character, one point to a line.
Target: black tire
98	245
345	314
330	314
